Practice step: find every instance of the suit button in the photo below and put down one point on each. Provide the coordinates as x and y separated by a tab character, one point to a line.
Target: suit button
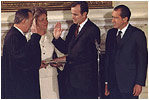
69	62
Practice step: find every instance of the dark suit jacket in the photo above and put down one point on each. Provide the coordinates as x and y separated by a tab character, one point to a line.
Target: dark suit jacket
20	66
128	60
81	66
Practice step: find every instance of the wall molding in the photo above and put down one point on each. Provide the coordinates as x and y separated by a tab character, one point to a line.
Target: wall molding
11	6
104	24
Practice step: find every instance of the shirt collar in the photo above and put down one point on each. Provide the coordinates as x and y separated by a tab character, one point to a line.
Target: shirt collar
19	30
123	30
82	24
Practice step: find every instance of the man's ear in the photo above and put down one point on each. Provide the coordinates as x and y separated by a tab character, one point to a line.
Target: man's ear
23	21
85	14
125	19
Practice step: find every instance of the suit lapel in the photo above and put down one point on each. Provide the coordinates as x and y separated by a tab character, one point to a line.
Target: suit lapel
75	39
114	38
126	35
83	29
71	44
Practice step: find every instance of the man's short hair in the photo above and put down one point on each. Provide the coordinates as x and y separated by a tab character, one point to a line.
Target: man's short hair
20	15
83	6
125	11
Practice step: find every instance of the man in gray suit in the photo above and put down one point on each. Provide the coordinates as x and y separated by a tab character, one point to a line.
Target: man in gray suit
126	57
81	71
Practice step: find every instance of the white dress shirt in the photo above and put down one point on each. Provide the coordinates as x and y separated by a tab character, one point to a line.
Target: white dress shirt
123	31
19	30
82	24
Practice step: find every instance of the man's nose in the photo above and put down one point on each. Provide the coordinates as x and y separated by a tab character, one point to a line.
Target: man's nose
112	20
72	16
46	21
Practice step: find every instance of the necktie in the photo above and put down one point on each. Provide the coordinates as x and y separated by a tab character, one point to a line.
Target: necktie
77	30
119	37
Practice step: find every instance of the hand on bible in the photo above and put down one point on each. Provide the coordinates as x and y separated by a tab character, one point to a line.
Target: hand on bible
43	65
55	64
58	62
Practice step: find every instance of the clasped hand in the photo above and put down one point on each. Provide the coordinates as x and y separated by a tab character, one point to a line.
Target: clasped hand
43	65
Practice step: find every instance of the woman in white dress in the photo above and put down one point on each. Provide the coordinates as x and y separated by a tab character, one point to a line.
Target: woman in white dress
48	74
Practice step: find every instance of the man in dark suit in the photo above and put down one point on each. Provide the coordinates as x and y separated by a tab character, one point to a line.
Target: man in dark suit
21	60
81	71
126	57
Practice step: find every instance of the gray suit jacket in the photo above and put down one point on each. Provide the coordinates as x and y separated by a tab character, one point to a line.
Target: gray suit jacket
81	67
128	61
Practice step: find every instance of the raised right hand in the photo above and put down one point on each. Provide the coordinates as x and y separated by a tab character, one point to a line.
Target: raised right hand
57	30
36	29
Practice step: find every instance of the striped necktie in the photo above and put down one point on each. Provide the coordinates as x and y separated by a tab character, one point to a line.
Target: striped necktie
77	30
118	38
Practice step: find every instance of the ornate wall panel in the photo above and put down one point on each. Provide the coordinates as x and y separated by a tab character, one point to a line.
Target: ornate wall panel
50	5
